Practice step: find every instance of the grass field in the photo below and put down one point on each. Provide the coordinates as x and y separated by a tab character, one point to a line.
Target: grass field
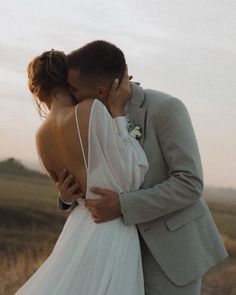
225	222
30	225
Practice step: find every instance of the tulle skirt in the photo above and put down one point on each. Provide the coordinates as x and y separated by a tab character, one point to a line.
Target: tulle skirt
90	259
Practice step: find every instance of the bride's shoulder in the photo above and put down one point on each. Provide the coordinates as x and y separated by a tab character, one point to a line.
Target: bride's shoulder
85	106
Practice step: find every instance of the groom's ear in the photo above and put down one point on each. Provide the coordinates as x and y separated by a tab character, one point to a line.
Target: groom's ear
102	92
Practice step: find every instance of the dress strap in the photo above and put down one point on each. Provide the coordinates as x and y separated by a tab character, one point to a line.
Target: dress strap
78	129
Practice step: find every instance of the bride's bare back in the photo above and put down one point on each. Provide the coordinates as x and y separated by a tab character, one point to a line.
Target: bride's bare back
58	142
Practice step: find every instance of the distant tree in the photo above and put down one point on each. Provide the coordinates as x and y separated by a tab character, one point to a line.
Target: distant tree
12	166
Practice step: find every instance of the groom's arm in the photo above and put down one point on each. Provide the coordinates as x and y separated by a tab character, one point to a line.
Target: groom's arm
184	185
181	189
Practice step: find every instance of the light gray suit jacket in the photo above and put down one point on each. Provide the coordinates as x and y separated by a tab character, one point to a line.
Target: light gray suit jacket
169	211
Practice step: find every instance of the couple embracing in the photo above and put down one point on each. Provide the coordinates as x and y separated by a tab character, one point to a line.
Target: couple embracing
127	166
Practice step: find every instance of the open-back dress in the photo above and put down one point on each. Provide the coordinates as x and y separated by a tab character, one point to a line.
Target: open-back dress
98	258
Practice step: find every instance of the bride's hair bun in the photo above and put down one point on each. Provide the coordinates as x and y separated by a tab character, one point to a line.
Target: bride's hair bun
47	73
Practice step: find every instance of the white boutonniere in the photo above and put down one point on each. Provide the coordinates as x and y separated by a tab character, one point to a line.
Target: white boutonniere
134	131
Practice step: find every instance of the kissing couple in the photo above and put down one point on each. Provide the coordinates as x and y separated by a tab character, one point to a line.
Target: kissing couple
127	166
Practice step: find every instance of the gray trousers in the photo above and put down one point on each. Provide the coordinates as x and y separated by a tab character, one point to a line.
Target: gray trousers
155	280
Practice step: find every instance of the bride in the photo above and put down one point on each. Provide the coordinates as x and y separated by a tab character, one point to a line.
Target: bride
88	258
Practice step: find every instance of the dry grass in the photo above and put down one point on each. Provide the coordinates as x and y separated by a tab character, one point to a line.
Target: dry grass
220	280
16	268
230	245
30	225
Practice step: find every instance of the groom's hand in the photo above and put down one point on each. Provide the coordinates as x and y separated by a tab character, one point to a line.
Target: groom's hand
67	188
106	208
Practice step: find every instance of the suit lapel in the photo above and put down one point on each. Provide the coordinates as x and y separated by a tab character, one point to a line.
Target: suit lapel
137	113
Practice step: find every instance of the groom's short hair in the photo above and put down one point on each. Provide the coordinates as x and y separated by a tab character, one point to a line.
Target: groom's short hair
98	60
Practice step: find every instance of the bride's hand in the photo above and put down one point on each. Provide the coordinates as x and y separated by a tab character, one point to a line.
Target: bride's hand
118	95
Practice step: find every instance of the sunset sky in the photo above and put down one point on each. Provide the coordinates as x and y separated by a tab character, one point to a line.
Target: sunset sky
185	48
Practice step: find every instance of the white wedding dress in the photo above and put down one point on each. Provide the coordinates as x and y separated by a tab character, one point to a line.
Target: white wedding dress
90	258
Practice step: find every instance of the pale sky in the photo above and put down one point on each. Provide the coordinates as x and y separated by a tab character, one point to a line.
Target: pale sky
185	48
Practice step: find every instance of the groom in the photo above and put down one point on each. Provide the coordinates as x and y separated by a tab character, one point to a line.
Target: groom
178	238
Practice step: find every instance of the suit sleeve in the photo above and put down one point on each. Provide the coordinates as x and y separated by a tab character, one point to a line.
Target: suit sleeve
62	206
184	184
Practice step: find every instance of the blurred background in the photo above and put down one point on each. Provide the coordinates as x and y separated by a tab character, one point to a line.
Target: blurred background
185	48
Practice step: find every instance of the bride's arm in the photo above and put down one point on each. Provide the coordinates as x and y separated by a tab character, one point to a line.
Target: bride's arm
123	152
118	97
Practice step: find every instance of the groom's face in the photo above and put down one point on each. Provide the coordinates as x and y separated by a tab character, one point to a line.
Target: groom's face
80	87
